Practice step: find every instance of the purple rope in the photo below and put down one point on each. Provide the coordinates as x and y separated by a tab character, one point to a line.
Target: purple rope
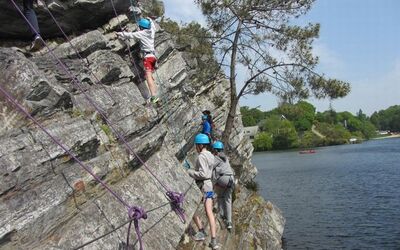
78	54
177	200
21	109
76	82
135	214
90	100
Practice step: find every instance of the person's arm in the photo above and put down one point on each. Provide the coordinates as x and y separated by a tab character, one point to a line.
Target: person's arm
199	174
137	35
153	28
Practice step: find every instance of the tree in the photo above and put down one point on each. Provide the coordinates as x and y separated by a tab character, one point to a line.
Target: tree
276	55
302	114
388	119
251	117
263	141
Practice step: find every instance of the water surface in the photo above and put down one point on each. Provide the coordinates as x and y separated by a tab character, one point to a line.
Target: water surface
341	197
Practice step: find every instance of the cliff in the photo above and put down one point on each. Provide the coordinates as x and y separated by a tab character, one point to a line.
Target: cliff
49	202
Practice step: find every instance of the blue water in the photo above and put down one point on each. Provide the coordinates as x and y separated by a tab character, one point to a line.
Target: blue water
341	197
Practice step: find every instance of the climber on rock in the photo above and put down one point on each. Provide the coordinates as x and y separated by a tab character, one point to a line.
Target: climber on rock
202	174
30	14
206	126
146	36
224	183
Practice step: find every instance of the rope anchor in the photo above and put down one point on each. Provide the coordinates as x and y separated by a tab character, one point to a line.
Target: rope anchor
135	214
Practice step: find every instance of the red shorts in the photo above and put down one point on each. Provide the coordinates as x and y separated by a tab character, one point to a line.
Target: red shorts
149	63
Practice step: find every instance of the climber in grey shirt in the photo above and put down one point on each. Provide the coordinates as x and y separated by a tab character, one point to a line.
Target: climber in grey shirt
224	182
202	174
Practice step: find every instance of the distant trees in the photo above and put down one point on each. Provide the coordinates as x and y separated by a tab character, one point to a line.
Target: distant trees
251	116
263	141
388	119
291	125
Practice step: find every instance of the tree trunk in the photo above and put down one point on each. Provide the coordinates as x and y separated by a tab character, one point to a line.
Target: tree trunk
232	80
230	119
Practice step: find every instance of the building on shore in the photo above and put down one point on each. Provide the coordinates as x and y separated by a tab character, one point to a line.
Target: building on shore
251	132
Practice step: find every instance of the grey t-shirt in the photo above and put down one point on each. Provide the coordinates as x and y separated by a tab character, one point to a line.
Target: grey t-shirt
203	169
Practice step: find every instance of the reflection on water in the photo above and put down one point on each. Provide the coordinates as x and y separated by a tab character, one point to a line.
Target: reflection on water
342	197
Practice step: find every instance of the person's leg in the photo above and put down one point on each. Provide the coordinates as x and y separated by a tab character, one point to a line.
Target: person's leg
30	14
228	205
197	221
208	204
210	215
149	64
220	201
150	83
200	235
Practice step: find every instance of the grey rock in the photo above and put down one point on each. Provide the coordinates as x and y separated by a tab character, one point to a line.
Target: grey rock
73	16
84	45
49	202
30	87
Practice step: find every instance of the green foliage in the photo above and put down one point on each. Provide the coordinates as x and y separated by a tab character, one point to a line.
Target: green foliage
302	114
335	134
309	139
286	137
107	130
388	119
359	123
283	132
263	141
251	116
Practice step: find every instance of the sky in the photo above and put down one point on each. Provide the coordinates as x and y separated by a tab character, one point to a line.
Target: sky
359	43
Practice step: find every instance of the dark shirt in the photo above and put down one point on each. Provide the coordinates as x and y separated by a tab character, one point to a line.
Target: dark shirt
206	128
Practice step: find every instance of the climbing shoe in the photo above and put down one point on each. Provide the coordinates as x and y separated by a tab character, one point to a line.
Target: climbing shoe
229	225
154	99
213	245
37	44
199	236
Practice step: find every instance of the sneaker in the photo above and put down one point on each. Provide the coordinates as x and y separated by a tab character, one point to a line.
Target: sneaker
199	236
37	44
213	245
154	99
229	225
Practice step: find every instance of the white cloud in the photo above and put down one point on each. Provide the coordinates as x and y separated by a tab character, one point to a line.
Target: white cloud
183	11
329	61
369	94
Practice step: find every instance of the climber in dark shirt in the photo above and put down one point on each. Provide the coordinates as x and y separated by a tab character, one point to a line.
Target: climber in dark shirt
30	14
206	126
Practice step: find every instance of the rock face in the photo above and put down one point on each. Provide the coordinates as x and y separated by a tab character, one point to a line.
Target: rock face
49	202
74	16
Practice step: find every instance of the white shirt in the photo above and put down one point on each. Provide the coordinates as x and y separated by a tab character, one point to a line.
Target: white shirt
146	38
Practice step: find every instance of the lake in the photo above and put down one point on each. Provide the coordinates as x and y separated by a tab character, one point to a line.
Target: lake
341	197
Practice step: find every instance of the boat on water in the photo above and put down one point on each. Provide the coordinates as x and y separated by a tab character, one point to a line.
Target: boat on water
308	151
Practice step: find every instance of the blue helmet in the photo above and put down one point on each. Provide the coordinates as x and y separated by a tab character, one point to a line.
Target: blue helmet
218	145
144	23
201	139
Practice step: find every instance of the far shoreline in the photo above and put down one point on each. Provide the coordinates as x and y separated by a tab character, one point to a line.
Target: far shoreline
386	137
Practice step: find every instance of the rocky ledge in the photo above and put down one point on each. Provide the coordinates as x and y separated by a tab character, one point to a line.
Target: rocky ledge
49	202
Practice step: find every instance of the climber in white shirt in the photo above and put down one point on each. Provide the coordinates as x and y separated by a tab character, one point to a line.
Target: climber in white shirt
146	36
